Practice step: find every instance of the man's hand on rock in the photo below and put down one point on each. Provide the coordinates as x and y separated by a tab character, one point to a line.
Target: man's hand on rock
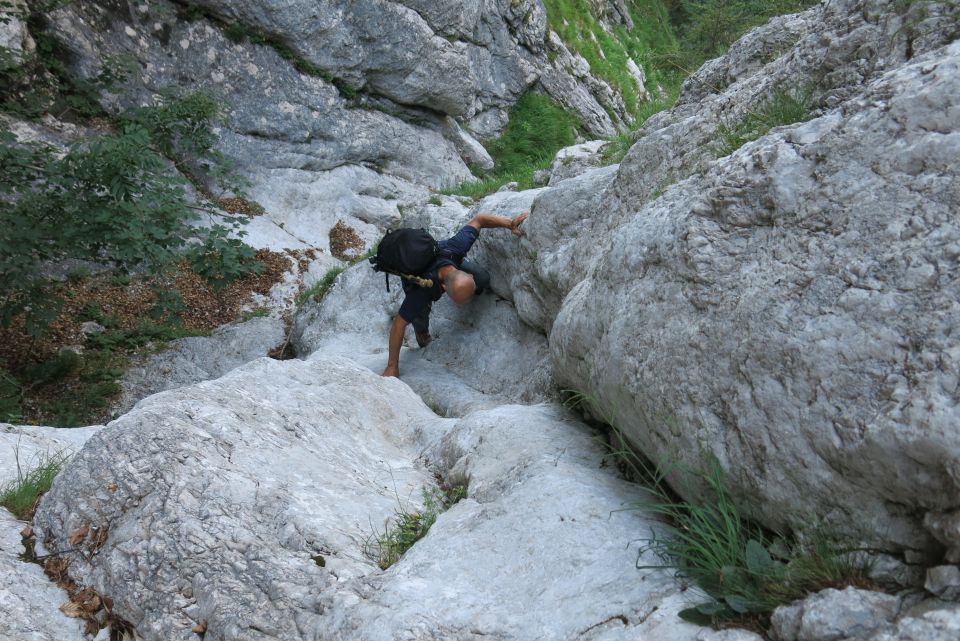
392	370
516	222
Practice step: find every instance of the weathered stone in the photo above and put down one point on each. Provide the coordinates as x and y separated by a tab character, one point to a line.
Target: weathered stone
832	615
890	571
944	581
92	328
15	40
199	358
578	159
29	602
946	528
779	311
728	635
941	624
205	526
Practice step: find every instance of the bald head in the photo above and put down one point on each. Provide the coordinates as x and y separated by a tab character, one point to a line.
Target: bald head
459	285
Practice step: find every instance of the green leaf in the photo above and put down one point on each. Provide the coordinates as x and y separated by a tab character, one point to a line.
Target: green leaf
740	605
758	558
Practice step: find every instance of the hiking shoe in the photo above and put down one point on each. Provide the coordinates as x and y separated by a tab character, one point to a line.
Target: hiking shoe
423	338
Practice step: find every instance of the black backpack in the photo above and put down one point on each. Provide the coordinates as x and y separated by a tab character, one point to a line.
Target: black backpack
407	253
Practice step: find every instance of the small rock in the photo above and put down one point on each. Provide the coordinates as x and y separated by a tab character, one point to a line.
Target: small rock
541	177
92	328
831	615
944	581
891	571
511	186
728	635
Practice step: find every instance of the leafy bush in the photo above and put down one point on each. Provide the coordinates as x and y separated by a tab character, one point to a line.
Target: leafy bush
114	199
20	496
408	527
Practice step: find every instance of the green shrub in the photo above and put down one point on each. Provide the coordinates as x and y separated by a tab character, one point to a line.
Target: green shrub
20	496
408	527
784	107
111	199
744	569
537	130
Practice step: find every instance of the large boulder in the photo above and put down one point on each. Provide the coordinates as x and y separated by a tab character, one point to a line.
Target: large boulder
786	309
248	506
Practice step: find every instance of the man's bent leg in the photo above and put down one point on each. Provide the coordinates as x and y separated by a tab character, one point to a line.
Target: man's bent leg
481	277
421	326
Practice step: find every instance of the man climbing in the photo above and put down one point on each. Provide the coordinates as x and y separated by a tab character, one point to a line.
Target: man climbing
452	273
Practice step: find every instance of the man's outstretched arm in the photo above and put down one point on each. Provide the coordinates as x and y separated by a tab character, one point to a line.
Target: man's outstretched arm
397	329
489	221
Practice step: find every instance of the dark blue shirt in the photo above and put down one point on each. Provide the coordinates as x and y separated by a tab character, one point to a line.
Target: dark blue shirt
452	252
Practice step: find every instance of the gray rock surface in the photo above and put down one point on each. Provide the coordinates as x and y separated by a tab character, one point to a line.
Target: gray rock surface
227	493
944	581
15	40
578	159
788	308
834	615
29	602
941	624
464	59
23	448
199	358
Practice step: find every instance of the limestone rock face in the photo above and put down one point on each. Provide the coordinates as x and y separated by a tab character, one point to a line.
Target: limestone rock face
200	358
465	59
248	504
787	308
29	601
15	40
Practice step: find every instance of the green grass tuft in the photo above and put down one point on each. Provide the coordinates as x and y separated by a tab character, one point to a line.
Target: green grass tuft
408	527
20	496
784	107
744	569
537	130
322	286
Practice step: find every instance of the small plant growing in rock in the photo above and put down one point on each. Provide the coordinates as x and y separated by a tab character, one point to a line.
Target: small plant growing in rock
409	526
745	570
20	495
322	286
784	107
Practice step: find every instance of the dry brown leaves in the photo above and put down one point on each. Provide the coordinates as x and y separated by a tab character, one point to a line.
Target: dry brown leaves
239	206
345	244
129	305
